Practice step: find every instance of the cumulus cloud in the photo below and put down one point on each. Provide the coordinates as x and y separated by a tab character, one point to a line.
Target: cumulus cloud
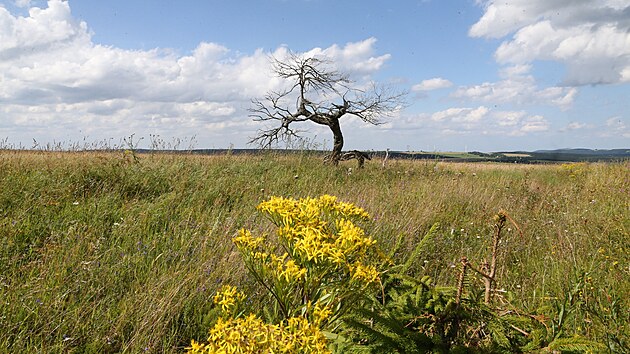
461	115
55	80
518	123
354	58
576	126
432	84
514	71
509	118
22	3
615	126
474	122
592	38
517	87
535	124
21	36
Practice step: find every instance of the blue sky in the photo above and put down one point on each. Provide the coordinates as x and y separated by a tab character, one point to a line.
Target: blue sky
481	74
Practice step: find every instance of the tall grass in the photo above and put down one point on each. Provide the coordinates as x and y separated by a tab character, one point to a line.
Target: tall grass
103	252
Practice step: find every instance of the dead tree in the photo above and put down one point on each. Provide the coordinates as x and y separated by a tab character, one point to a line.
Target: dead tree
319	94
360	156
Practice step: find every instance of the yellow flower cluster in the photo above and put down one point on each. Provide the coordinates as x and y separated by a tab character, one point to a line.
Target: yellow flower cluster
365	274
285	269
252	335
319	313
351	238
228	297
321	230
245	240
315	230
309	211
292	271
309	244
574	169
327	260
279	266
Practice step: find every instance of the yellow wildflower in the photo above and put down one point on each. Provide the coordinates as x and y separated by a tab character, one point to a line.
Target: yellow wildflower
365	274
251	335
292	271
320	314
324	248
247	241
228	297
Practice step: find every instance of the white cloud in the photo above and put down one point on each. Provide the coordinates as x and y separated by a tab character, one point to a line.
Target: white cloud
501	18
518	123
37	32
432	84
55	81
576	125
534	124
474	122
22	3
515	71
509	118
560	96
517	87
592	38
448	113
461	115
616	126
356	58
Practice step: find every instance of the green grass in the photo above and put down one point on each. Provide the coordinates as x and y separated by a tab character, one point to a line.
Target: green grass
102	254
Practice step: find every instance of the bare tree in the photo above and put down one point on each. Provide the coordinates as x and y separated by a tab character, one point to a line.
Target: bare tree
322	95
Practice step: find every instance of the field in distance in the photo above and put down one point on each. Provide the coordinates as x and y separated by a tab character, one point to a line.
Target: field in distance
538	156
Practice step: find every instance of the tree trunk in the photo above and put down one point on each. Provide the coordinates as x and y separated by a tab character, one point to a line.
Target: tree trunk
337	142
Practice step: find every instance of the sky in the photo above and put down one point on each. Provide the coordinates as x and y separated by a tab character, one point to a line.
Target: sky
480	75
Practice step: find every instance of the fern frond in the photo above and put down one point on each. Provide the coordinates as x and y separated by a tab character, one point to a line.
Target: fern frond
420	247
576	345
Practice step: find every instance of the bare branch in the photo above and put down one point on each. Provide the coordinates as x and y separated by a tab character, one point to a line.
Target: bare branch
320	94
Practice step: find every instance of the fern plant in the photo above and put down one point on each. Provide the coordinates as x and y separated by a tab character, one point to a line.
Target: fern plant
414	316
409	315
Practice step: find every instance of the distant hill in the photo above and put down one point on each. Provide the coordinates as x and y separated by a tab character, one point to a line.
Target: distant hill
624	153
579	155
538	156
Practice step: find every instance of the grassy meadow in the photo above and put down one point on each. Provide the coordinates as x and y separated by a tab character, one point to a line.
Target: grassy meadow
113	252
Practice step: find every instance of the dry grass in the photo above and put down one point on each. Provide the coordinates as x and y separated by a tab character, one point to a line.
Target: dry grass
104	254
